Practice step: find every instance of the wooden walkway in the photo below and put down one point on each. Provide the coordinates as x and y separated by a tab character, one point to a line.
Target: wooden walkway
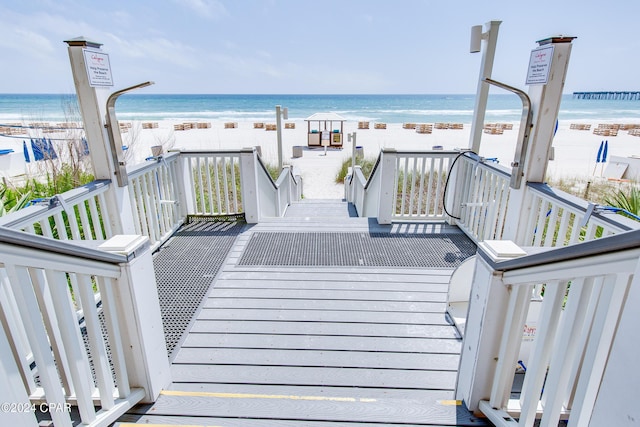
316	346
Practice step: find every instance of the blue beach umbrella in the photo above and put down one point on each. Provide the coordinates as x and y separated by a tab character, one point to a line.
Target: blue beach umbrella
604	152
25	150
85	147
600	151
36	147
51	153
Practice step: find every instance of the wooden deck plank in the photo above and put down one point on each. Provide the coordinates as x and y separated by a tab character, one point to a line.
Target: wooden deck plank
323	328
289	408
306	304
168	420
318	358
266	283
318	346
319	294
341	392
319	342
312	275
316	376
369	317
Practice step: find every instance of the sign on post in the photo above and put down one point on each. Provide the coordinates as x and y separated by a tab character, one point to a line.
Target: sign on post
98	68
539	65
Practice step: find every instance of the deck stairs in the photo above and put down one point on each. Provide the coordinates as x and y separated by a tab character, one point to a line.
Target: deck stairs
304	326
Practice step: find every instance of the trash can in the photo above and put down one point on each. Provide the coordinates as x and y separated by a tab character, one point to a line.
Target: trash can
359	152
297	151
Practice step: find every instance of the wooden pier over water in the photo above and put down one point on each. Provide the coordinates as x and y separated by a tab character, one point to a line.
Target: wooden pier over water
608	95
297	331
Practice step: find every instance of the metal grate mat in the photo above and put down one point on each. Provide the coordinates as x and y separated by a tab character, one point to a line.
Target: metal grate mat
185	267
357	249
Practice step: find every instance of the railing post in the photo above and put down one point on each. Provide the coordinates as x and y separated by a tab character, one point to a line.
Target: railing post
139	308
481	344
386	201
619	379
455	182
185	186
249	183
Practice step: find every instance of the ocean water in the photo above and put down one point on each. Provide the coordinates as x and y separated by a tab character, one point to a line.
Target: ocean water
380	108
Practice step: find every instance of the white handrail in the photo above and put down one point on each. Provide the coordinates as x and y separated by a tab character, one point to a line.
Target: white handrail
482	195
36	287
555	219
212	182
73	215
154	198
585	288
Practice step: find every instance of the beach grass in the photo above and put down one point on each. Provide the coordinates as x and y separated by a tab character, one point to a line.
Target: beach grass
366	165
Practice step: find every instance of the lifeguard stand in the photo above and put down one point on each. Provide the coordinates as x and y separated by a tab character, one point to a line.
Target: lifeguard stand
322	132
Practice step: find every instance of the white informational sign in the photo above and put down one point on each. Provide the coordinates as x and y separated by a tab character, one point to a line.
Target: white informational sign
540	65
98	68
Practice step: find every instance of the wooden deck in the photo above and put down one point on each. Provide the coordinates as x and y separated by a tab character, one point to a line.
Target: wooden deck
316	345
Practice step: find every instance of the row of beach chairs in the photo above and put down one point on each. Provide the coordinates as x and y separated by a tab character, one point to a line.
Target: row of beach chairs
497	128
272	126
46	127
191	125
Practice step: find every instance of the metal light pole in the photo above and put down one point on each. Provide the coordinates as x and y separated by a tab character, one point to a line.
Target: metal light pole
352	137
488	54
280	112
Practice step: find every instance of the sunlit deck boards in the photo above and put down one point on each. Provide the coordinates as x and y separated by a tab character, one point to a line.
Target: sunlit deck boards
316	346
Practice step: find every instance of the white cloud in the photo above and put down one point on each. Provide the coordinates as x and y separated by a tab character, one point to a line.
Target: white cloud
211	9
156	50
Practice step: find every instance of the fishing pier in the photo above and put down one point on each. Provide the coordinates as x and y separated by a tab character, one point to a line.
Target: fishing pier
608	95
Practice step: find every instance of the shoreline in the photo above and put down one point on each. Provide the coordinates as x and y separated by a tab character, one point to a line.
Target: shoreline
575	150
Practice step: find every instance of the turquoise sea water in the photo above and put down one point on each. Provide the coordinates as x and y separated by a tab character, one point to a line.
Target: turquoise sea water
382	108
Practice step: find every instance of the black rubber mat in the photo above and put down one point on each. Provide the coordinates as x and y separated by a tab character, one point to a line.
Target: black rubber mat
185	267
357	249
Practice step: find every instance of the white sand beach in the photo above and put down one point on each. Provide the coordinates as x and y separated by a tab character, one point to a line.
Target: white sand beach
575	150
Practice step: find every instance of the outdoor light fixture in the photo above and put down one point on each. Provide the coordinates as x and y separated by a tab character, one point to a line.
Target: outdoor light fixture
476	38
284	113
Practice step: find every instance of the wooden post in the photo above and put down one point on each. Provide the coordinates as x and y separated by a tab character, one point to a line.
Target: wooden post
545	103
482	335
92	101
249	184
386	202
488	309
185	188
139	308
620	381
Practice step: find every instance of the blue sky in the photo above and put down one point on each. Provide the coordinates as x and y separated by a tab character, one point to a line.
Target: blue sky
303	46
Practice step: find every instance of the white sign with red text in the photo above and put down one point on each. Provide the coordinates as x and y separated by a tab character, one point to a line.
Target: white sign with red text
539	65
98	68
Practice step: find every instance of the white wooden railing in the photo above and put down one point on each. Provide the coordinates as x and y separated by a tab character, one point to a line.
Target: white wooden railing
403	186
46	365
74	215
154	192
585	291
481	197
547	218
212	182
473	193
420	179
556	219
235	182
